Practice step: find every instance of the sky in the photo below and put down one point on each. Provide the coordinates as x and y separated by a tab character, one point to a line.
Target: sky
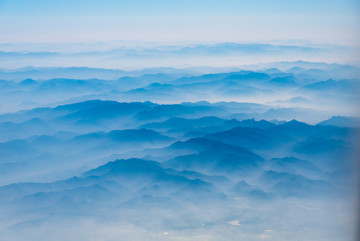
321	21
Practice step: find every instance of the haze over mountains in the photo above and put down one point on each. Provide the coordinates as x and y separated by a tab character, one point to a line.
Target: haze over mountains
328	89
181	120
140	55
257	152
83	157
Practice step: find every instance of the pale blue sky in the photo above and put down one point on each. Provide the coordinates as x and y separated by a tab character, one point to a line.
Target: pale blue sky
331	21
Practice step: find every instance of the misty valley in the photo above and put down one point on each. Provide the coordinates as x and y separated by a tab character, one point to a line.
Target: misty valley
179	154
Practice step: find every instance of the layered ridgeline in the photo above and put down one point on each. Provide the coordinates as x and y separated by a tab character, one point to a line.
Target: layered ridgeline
142	170
175	155
330	89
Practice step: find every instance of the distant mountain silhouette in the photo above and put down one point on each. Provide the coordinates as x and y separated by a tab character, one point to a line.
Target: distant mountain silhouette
341	121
